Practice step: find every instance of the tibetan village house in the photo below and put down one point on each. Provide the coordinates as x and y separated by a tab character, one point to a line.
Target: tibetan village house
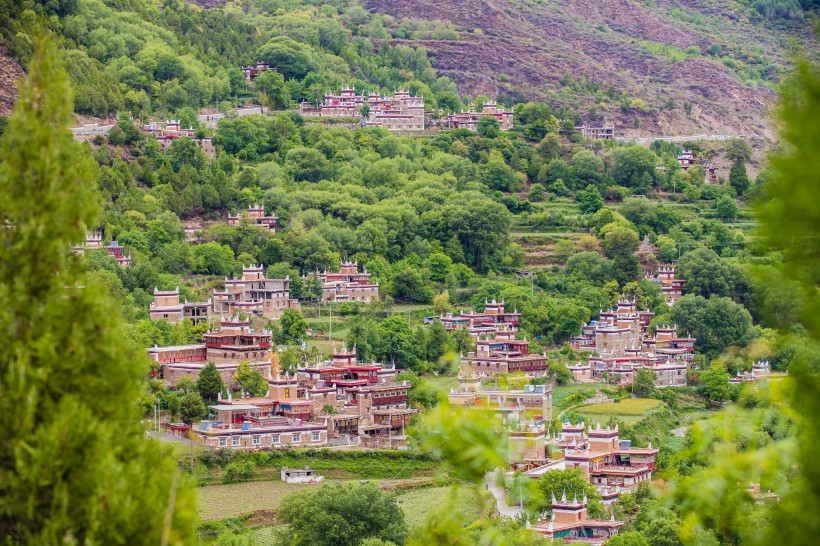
254	70
253	294
94	241
234	342
569	523
671	288
597	133
255	216
348	284
167	306
469	119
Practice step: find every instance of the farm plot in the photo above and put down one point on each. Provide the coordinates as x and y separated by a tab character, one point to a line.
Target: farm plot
223	501
630	411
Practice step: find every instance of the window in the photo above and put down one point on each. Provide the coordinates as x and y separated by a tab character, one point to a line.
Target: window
257	440
275	438
235	440
315	436
296	436
223	442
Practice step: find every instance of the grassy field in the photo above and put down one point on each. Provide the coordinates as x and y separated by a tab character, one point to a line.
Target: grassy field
468	504
630	411
560	392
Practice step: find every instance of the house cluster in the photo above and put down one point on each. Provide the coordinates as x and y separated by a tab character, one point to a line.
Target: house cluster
399	112
255	216
498	350
252	294
469	119
340	401
347	285
620	344
94	241
610	464
686	159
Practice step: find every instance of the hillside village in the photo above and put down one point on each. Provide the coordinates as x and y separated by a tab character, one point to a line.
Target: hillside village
365	273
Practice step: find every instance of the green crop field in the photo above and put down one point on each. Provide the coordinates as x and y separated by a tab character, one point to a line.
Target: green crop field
418	503
630	411
223	501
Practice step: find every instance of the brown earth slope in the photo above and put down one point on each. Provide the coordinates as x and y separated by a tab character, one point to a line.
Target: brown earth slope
528	45
10	72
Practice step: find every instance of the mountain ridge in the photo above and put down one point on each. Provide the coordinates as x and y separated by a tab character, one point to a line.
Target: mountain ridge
528	47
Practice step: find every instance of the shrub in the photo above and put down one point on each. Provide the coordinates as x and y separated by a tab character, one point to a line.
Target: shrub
238	471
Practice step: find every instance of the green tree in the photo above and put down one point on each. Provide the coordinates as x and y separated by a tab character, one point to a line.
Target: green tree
738	149
634	167
498	175
307	164
408	285
706	274
395	343
251	379
74	463
488	127
560	372
214	259
726	208
738	178
632	538
209	383
716	383
291	59
716	323
342	515
643	385
271	88
191	409
590	200
173	406
293	326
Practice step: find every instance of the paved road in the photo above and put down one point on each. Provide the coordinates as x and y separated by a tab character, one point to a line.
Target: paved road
500	496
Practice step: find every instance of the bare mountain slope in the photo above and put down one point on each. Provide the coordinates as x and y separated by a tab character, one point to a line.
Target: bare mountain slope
527	46
10	72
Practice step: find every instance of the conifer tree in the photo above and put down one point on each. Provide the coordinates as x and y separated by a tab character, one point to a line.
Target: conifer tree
209	383
75	467
738	178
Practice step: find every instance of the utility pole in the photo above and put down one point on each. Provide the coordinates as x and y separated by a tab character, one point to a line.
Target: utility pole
330	329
